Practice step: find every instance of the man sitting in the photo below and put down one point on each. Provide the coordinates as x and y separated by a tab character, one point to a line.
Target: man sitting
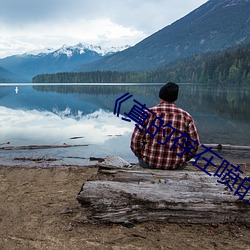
168	137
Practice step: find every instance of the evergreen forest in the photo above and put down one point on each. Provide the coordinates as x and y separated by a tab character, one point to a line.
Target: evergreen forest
231	66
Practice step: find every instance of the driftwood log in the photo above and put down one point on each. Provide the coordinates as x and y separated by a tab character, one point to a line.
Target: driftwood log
30	147
227	147
119	195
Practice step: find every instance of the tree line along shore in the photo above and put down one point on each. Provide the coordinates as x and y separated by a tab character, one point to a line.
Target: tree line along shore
231	66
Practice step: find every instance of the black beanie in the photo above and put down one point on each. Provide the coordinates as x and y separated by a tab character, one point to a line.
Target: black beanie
169	92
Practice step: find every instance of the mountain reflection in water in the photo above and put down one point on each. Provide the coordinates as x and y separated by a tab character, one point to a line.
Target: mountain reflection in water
52	114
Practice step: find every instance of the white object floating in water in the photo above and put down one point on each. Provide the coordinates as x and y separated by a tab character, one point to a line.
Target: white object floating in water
16	90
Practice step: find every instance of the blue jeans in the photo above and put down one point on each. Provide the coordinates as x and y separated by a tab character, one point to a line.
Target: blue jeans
145	165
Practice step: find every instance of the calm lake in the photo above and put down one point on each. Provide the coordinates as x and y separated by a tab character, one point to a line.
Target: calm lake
82	114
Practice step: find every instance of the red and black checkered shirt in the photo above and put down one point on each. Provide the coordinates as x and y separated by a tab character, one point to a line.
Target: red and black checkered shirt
165	145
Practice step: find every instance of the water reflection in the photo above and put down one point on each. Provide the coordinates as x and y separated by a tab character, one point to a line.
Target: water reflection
29	127
101	131
222	114
52	114
225	101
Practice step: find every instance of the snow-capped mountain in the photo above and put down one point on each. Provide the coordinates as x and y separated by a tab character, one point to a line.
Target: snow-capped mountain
64	59
81	48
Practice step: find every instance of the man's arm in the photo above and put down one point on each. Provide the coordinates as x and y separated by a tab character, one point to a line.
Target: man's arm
137	142
193	134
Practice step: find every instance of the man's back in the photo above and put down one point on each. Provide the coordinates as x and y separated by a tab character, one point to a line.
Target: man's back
161	141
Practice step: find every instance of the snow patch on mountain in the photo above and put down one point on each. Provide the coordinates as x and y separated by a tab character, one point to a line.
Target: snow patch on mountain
79	48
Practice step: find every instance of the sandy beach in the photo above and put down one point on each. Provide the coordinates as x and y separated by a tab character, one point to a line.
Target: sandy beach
38	210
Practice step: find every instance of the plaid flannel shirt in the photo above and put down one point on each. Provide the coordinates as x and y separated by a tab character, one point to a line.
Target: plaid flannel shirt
169	153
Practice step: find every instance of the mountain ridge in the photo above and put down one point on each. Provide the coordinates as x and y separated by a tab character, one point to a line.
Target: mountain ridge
9	77
215	25
228	67
65	58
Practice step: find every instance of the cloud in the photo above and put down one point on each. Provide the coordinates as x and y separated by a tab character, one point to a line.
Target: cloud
142	14
30	24
22	12
38	36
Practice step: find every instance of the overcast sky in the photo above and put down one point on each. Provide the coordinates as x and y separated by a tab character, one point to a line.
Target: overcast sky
27	25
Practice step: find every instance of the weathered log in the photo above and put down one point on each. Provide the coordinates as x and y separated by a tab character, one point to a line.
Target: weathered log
227	147
120	195
39	159
113	161
29	147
